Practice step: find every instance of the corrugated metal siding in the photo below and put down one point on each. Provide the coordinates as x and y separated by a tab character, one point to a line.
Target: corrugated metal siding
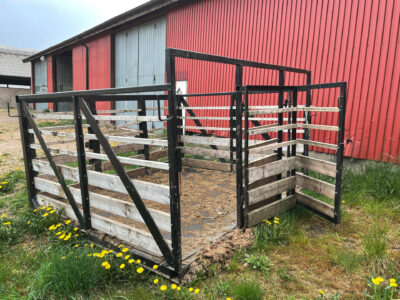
99	67
348	40
140	59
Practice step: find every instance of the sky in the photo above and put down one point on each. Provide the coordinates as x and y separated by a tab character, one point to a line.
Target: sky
39	24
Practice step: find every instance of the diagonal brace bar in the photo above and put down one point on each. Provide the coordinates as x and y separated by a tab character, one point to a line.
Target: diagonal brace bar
53	165
133	193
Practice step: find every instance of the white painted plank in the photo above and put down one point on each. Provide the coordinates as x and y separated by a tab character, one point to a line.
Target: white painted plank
147	190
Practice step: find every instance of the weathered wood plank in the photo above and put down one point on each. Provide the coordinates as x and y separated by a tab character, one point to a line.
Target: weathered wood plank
147	190
212	140
112	205
315	185
122	159
207	152
206	164
274	146
319	127
271	189
315	204
316	165
206	128
268	211
122	139
134	236
318	144
263	160
262	129
271	169
292	109
99	118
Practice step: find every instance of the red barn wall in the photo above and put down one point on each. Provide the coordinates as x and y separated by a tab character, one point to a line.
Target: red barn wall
99	67
353	41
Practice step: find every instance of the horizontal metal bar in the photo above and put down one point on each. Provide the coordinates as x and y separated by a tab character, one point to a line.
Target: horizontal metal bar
231	61
57	97
320	86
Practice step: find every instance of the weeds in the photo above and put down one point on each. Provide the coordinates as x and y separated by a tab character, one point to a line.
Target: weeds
380	289
375	246
259	261
9	180
247	290
349	260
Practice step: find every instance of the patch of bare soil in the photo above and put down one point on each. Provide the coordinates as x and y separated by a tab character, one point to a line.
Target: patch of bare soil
10	143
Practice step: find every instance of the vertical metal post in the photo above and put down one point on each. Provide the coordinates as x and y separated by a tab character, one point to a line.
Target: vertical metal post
307	116
143	128
94	145
29	154
239	154
246	153
339	153
280	116
80	148
231	132
294	131
174	157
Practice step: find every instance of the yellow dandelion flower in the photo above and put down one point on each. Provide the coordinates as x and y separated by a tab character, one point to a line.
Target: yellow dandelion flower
163	287
155	267
105	263
321	292
58	225
380	279
138	261
393	284
67	222
125	250
108	266
63	257
120	246
228	298
6	223
196	291
127	256
122	266
52	211
375	281
61	236
35	210
85	245
276	221
90	254
392	280
91	245
131	261
4	215
29	222
276	218
119	254
43	207
45	215
140	270
76	245
76	235
49	208
178	288
75	228
191	289
155	281
173	286
110	251
58	233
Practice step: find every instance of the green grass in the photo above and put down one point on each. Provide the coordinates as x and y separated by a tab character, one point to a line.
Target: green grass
56	123
9	180
349	260
375	246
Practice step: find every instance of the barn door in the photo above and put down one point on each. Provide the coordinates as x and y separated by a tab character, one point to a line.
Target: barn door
140	61
40	82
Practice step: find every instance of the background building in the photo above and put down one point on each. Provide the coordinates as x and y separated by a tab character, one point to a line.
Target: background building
15	76
338	40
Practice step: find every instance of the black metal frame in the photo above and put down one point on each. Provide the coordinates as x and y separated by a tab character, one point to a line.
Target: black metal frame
84	101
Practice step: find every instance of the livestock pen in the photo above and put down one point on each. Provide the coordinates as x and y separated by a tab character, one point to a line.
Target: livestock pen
161	190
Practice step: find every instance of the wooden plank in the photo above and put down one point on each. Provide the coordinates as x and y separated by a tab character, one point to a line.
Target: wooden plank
207	152
315	185
271	169
273	209
274	146
315	204
292	109
319	127
317	165
263	143
134	236
99	118
122	139
212	140
264	160
207	128
112	205
206	164
318	144
271	189
257	130
147	190
122	159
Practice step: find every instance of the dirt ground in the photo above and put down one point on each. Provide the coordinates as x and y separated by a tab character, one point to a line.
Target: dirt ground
10	143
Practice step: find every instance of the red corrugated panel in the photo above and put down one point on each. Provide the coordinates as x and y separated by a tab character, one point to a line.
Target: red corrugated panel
349	40
99	67
50	88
